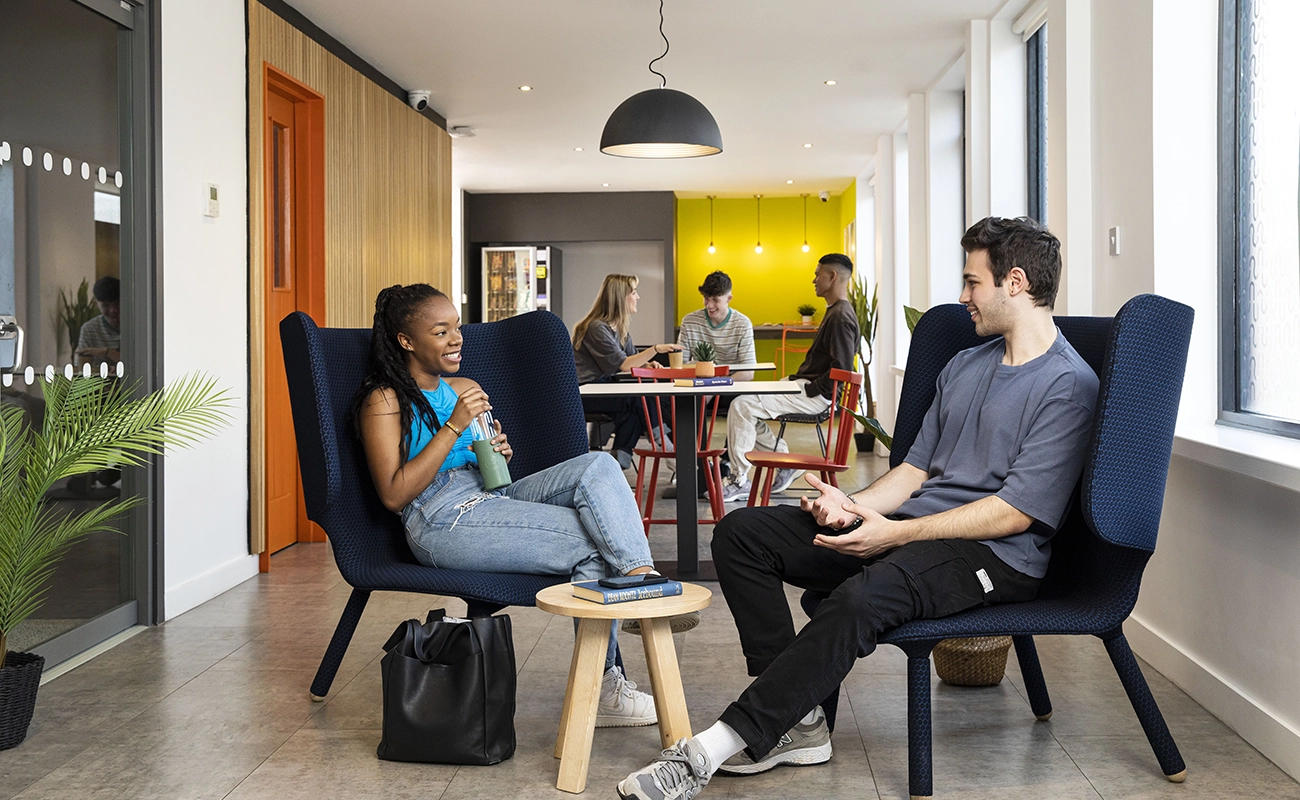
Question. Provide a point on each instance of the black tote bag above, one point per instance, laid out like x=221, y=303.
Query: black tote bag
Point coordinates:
x=449, y=691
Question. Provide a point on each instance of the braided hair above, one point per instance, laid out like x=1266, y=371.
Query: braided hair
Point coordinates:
x=395, y=307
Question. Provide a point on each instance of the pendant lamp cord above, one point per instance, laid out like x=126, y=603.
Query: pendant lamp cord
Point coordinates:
x=663, y=81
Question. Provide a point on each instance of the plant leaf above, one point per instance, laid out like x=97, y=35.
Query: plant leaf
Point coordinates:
x=913, y=316
x=873, y=427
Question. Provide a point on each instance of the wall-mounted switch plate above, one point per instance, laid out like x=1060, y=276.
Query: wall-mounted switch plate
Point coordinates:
x=212, y=204
x=1114, y=241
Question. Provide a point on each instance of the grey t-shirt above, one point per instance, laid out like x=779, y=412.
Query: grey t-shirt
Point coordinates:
x=1019, y=433
x=601, y=353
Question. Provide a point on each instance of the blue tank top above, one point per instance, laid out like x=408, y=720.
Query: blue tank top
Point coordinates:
x=443, y=399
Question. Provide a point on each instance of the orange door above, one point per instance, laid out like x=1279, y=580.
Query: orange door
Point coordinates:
x=294, y=188
x=281, y=300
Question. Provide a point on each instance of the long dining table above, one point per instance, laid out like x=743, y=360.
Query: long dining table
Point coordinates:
x=688, y=565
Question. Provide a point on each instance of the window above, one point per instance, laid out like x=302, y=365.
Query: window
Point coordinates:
x=1259, y=209
x=1036, y=119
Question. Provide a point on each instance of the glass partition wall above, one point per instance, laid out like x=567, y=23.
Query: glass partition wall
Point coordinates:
x=77, y=274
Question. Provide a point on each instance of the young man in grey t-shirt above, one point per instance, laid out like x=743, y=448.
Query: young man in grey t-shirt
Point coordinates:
x=965, y=521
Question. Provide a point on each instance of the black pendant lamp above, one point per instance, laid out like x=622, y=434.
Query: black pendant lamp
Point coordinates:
x=661, y=123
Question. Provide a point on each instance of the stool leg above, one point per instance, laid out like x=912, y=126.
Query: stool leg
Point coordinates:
x=580, y=703
x=665, y=680
x=568, y=693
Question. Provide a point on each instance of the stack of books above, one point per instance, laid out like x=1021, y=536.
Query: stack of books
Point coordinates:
x=593, y=591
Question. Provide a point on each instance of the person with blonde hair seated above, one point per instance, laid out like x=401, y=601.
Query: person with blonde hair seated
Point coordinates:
x=602, y=348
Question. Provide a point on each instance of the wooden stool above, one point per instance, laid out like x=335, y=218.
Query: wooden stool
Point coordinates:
x=578, y=720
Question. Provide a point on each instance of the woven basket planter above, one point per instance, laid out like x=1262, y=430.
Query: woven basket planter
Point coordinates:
x=19, y=680
x=980, y=661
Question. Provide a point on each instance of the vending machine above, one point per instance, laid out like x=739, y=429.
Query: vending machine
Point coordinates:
x=517, y=280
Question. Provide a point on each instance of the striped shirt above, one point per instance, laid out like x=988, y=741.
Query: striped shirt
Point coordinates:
x=97, y=334
x=733, y=339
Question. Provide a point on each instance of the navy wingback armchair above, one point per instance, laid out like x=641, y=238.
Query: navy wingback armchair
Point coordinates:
x=1103, y=545
x=525, y=364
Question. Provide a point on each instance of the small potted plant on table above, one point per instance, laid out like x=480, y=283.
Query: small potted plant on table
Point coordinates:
x=806, y=312
x=90, y=424
x=704, y=355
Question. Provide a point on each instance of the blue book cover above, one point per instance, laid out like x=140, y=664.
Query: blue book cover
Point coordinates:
x=723, y=380
x=593, y=591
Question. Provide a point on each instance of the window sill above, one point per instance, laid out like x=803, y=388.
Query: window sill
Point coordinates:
x=1263, y=456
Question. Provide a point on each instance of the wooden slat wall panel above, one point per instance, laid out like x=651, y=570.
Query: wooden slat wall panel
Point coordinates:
x=387, y=202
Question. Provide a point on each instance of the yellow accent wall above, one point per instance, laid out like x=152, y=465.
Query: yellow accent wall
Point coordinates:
x=849, y=208
x=766, y=287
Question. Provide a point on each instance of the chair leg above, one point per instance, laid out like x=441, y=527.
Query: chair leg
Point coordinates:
x=1148, y=713
x=754, y=486
x=829, y=477
x=821, y=439
x=1032, y=672
x=713, y=477
x=650, y=496
x=767, y=487
x=640, y=484
x=920, y=782
x=338, y=646
x=779, y=436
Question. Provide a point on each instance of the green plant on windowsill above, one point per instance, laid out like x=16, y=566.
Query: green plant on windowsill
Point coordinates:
x=868, y=314
x=90, y=424
x=71, y=314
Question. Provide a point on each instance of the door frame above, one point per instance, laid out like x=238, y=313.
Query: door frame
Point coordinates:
x=309, y=144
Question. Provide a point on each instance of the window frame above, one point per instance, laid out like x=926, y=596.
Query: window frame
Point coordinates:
x=1231, y=206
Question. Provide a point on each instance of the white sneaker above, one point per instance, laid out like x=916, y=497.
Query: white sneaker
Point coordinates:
x=802, y=746
x=621, y=705
x=783, y=478
x=735, y=492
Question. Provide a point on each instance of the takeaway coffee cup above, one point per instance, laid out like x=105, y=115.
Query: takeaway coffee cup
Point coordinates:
x=675, y=359
x=491, y=464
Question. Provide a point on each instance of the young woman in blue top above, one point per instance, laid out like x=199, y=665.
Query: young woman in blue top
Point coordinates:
x=577, y=519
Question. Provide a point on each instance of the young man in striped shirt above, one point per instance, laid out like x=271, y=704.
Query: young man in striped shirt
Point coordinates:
x=729, y=331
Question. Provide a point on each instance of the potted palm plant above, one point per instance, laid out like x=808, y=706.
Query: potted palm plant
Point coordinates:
x=867, y=310
x=73, y=312
x=90, y=424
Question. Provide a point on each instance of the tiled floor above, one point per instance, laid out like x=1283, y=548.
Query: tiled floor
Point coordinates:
x=214, y=704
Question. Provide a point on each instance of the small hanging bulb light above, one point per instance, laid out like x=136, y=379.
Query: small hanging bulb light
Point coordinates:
x=712, y=249
x=758, y=223
x=806, y=248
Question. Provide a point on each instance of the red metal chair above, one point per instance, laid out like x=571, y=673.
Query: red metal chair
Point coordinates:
x=848, y=386
x=662, y=448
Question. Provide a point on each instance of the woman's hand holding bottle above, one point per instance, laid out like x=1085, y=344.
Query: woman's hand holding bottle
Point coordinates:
x=469, y=405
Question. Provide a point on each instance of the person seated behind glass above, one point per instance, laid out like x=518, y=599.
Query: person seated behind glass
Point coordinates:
x=100, y=341
x=602, y=348
x=577, y=519
x=729, y=331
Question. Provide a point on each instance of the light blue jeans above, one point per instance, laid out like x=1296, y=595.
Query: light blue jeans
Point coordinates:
x=578, y=519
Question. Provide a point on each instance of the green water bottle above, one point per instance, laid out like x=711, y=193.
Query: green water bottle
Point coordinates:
x=491, y=464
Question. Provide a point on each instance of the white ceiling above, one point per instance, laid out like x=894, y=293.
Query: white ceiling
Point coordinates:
x=758, y=65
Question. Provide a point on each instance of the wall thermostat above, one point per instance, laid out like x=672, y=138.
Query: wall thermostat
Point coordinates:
x=212, y=205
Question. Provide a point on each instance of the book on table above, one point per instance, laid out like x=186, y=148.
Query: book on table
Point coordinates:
x=719, y=381
x=593, y=591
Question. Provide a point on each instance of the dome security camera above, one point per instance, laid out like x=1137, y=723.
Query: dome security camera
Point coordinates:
x=824, y=196
x=419, y=98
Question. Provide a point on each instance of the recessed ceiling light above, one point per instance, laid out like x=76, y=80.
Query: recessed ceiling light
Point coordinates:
x=604, y=184
x=807, y=144
x=789, y=182
x=577, y=149
x=830, y=83
x=525, y=88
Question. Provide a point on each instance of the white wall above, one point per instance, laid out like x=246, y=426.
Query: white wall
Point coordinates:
x=205, y=291
x=1216, y=613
